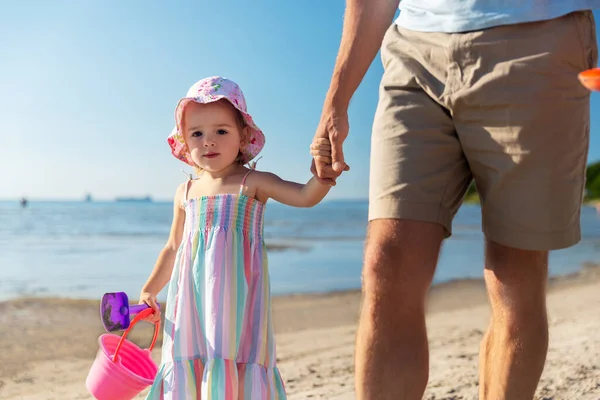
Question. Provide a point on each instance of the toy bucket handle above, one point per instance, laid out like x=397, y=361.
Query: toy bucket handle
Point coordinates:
x=141, y=315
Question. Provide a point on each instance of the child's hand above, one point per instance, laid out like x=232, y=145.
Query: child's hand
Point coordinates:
x=320, y=149
x=150, y=299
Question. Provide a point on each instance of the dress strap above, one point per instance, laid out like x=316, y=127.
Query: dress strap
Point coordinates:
x=244, y=181
x=187, y=187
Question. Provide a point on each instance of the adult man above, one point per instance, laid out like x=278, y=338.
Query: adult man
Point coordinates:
x=471, y=89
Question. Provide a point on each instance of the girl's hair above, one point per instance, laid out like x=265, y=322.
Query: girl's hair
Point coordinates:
x=241, y=125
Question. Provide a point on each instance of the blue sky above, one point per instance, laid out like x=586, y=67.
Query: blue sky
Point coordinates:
x=88, y=89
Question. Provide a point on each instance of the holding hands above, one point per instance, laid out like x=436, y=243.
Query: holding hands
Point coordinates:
x=328, y=155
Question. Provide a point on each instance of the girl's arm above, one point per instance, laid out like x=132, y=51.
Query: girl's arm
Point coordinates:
x=270, y=186
x=166, y=259
x=295, y=194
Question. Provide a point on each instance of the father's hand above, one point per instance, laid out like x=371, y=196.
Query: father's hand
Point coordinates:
x=334, y=128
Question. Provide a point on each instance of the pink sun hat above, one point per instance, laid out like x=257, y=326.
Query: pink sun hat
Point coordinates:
x=208, y=90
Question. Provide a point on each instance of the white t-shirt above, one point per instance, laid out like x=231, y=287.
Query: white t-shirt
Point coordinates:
x=469, y=15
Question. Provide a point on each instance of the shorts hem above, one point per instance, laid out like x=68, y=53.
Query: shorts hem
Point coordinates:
x=387, y=208
x=534, y=241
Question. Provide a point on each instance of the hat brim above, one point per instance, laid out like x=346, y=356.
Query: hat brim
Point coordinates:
x=253, y=146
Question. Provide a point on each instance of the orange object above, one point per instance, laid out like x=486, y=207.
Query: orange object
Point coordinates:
x=590, y=79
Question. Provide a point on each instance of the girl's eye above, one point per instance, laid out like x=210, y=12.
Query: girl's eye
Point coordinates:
x=196, y=134
x=221, y=132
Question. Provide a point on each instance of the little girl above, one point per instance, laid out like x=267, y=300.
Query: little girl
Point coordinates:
x=218, y=339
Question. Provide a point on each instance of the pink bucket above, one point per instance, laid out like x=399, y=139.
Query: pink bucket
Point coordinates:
x=121, y=369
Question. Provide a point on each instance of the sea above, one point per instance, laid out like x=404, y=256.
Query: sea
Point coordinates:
x=73, y=249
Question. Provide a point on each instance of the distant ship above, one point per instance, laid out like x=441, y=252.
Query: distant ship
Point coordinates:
x=146, y=199
x=88, y=198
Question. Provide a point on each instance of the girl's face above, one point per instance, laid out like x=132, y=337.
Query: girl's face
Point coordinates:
x=213, y=134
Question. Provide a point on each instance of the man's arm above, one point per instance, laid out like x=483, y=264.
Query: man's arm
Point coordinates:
x=365, y=24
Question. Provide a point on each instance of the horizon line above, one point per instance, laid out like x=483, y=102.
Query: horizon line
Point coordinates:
x=136, y=199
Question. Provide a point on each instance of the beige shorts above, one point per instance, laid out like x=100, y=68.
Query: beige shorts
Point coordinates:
x=502, y=106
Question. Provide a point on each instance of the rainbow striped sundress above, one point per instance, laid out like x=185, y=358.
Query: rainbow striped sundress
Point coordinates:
x=218, y=338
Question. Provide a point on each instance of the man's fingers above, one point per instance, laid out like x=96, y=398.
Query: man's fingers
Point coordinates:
x=321, y=141
x=322, y=150
x=321, y=153
x=320, y=147
x=337, y=156
x=322, y=159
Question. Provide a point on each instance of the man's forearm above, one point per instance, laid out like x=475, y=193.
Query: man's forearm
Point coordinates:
x=365, y=24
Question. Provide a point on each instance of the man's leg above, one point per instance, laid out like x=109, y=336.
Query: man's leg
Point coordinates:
x=392, y=357
x=513, y=351
x=527, y=149
x=418, y=177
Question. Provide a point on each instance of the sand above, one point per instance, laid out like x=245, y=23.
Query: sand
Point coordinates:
x=47, y=345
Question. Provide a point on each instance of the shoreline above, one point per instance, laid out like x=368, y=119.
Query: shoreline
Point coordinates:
x=48, y=344
x=554, y=281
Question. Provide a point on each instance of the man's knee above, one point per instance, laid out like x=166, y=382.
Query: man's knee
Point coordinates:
x=516, y=281
x=400, y=257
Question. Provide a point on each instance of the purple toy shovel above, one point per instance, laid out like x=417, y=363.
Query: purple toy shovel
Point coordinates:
x=116, y=312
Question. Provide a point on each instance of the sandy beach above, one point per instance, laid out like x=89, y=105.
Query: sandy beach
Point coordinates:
x=48, y=345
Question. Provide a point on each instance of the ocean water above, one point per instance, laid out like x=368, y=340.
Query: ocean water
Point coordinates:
x=82, y=250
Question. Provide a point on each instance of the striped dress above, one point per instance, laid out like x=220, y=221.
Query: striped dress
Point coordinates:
x=218, y=339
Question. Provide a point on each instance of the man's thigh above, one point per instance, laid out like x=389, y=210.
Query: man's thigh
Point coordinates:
x=418, y=171
x=523, y=121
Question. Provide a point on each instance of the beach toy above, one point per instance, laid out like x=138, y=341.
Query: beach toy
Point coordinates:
x=590, y=79
x=116, y=312
x=121, y=369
